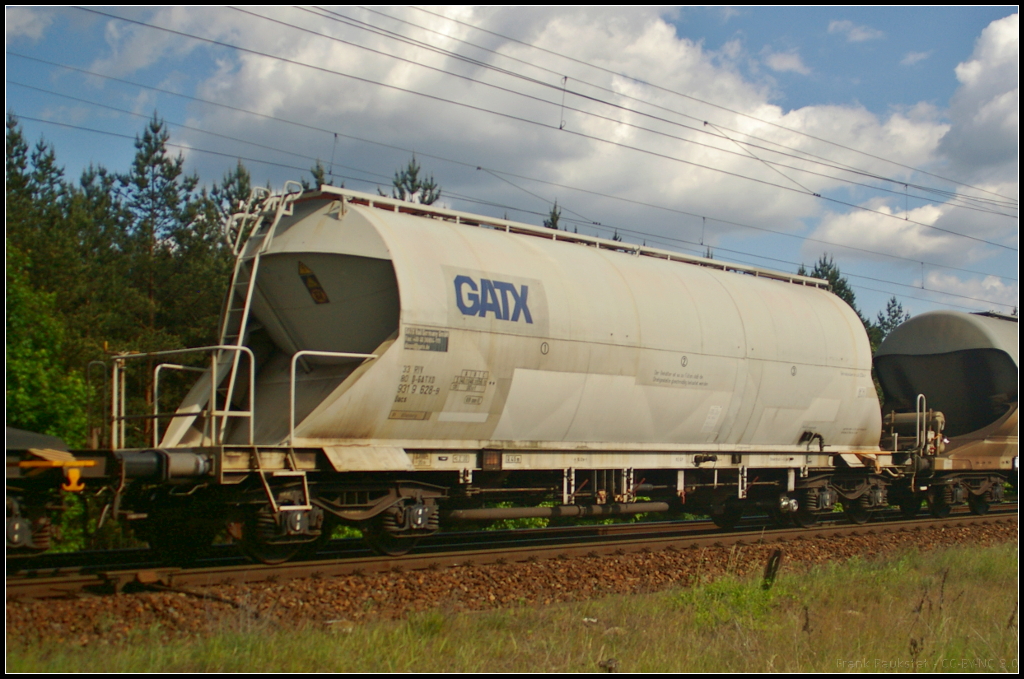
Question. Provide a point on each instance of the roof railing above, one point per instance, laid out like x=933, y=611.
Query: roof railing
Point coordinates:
x=469, y=219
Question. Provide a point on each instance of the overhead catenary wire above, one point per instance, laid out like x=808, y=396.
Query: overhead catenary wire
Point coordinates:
x=953, y=199
x=705, y=102
x=497, y=172
x=979, y=202
x=666, y=239
x=653, y=237
x=539, y=124
x=183, y=126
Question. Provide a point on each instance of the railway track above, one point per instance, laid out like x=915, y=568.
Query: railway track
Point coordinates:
x=134, y=570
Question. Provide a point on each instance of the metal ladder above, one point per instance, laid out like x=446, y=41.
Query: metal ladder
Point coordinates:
x=248, y=244
x=292, y=471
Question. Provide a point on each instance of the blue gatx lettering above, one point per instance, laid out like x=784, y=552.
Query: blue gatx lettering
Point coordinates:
x=502, y=299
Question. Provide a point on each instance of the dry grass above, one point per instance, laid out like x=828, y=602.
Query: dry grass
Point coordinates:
x=943, y=610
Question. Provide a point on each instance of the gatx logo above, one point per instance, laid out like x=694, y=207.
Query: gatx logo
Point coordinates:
x=506, y=301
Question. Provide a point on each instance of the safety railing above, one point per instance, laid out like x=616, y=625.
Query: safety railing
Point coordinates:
x=119, y=396
x=156, y=393
x=291, y=382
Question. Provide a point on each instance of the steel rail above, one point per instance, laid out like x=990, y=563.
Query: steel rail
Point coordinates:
x=148, y=576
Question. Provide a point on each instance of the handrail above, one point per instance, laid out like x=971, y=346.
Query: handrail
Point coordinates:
x=291, y=381
x=156, y=394
x=469, y=219
x=119, y=387
x=920, y=423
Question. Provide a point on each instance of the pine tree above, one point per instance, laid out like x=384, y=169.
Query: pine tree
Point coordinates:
x=18, y=201
x=552, y=221
x=162, y=205
x=177, y=262
x=36, y=199
x=891, y=318
x=231, y=195
x=407, y=185
x=319, y=173
x=827, y=269
x=99, y=218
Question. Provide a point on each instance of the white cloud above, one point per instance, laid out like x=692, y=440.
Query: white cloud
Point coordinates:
x=912, y=58
x=639, y=43
x=25, y=22
x=985, y=109
x=72, y=115
x=732, y=49
x=853, y=32
x=786, y=62
x=728, y=13
x=888, y=230
x=990, y=290
x=134, y=47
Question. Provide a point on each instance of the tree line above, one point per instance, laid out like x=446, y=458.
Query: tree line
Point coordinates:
x=130, y=261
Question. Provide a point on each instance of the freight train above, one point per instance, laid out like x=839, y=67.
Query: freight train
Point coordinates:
x=398, y=367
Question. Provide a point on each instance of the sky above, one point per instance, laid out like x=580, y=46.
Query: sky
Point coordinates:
x=885, y=137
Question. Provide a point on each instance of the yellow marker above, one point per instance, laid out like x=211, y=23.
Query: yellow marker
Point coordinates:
x=316, y=291
x=74, y=484
x=72, y=467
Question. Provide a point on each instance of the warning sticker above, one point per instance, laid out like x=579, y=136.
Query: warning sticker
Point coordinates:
x=316, y=291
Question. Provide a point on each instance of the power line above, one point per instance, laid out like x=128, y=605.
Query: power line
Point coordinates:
x=499, y=172
x=653, y=237
x=540, y=124
x=705, y=102
x=181, y=125
x=796, y=153
x=952, y=199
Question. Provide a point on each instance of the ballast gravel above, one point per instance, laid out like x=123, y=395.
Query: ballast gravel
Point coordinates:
x=339, y=603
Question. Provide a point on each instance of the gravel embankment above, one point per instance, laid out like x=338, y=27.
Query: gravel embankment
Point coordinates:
x=339, y=603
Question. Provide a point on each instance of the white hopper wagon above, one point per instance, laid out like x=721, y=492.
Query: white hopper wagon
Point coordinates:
x=392, y=364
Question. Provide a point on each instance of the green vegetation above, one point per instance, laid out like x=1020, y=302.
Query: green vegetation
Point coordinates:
x=949, y=610
x=129, y=261
x=409, y=185
x=42, y=396
x=556, y=214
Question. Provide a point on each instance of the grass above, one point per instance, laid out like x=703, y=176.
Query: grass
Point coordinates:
x=944, y=610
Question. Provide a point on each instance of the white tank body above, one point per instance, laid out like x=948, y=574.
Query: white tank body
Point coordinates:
x=490, y=339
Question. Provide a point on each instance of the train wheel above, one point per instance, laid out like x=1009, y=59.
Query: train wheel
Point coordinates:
x=979, y=504
x=910, y=507
x=383, y=541
x=805, y=518
x=855, y=512
x=939, y=509
x=256, y=528
x=269, y=554
x=730, y=516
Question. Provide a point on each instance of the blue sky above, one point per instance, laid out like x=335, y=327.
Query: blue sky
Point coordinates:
x=739, y=129
x=878, y=57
